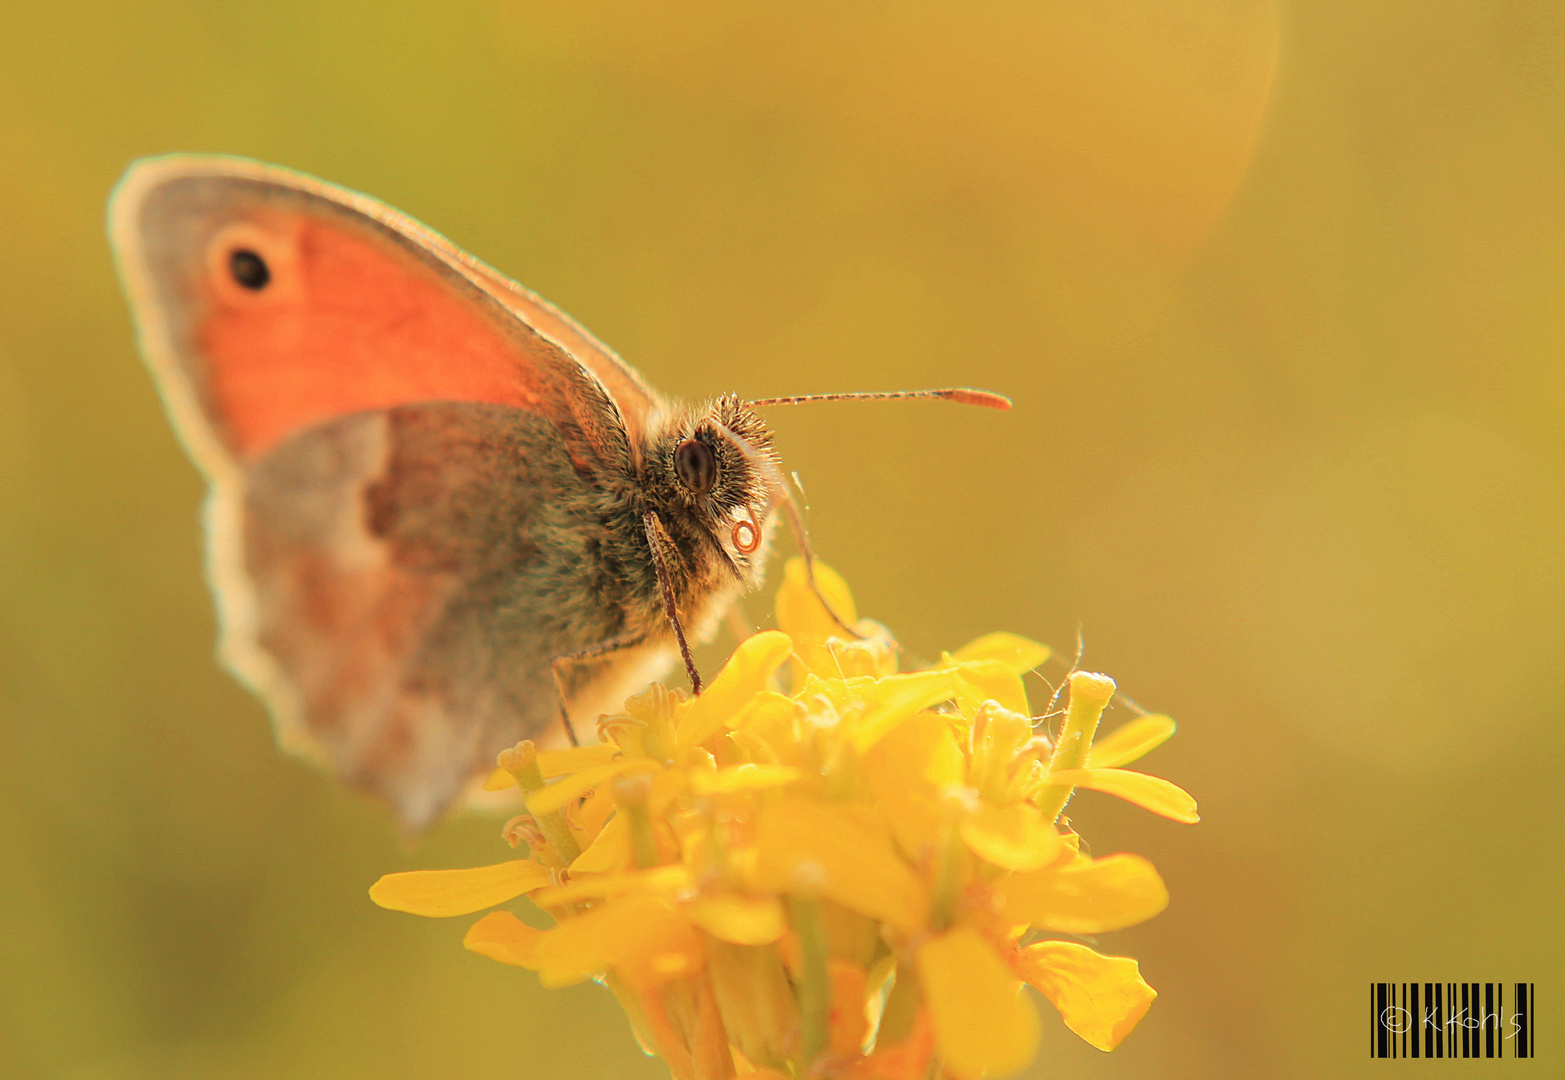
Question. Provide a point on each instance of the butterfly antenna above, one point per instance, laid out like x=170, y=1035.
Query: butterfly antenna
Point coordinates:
x=962, y=395
x=780, y=493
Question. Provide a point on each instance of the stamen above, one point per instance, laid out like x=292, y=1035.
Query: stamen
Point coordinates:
x=523, y=829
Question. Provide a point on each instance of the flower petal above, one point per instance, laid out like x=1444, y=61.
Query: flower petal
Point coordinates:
x=746, y=674
x=609, y=850
x=501, y=936
x=921, y=748
x=742, y=778
x=908, y=771
x=1148, y=792
x=641, y=937
x=1101, y=998
x=595, y=811
x=874, y=655
x=1090, y=896
x=983, y=1023
x=800, y=613
x=553, y=763
x=805, y=847
x=1125, y=744
x=1017, y=654
x=989, y=680
x=762, y=712
x=1011, y=837
x=893, y=699
x=756, y=1000
x=442, y=893
x=802, y=617
x=742, y=920
x=847, y=1022
x=556, y=796
x=660, y=880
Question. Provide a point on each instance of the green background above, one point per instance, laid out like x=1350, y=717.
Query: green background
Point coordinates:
x=1278, y=292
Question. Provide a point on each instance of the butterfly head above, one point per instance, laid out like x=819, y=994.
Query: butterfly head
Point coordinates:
x=715, y=480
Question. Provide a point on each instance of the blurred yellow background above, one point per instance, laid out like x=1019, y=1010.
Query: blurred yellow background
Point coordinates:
x=1279, y=291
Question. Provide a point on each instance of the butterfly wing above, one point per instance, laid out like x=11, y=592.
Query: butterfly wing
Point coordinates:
x=399, y=442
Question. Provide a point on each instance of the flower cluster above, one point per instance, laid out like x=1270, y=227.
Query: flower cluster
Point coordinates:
x=854, y=879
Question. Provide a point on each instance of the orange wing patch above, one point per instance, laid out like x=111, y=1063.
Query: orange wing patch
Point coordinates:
x=342, y=326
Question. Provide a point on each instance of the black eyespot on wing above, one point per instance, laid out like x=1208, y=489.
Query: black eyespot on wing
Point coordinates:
x=249, y=269
x=696, y=465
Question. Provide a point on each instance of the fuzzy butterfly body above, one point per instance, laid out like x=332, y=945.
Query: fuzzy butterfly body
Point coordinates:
x=427, y=485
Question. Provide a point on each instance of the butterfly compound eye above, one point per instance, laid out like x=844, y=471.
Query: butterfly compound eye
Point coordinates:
x=696, y=465
x=249, y=269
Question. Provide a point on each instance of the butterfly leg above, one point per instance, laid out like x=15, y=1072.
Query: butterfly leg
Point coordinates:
x=582, y=656
x=662, y=546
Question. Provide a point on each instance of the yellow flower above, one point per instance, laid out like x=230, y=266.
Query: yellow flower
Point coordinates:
x=853, y=877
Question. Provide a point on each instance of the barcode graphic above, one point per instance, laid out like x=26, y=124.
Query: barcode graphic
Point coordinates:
x=1451, y=1020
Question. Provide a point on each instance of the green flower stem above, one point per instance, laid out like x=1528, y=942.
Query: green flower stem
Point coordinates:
x=630, y=795
x=814, y=987
x=1089, y=696
x=522, y=762
x=947, y=879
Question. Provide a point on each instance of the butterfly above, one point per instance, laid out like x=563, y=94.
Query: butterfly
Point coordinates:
x=442, y=516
